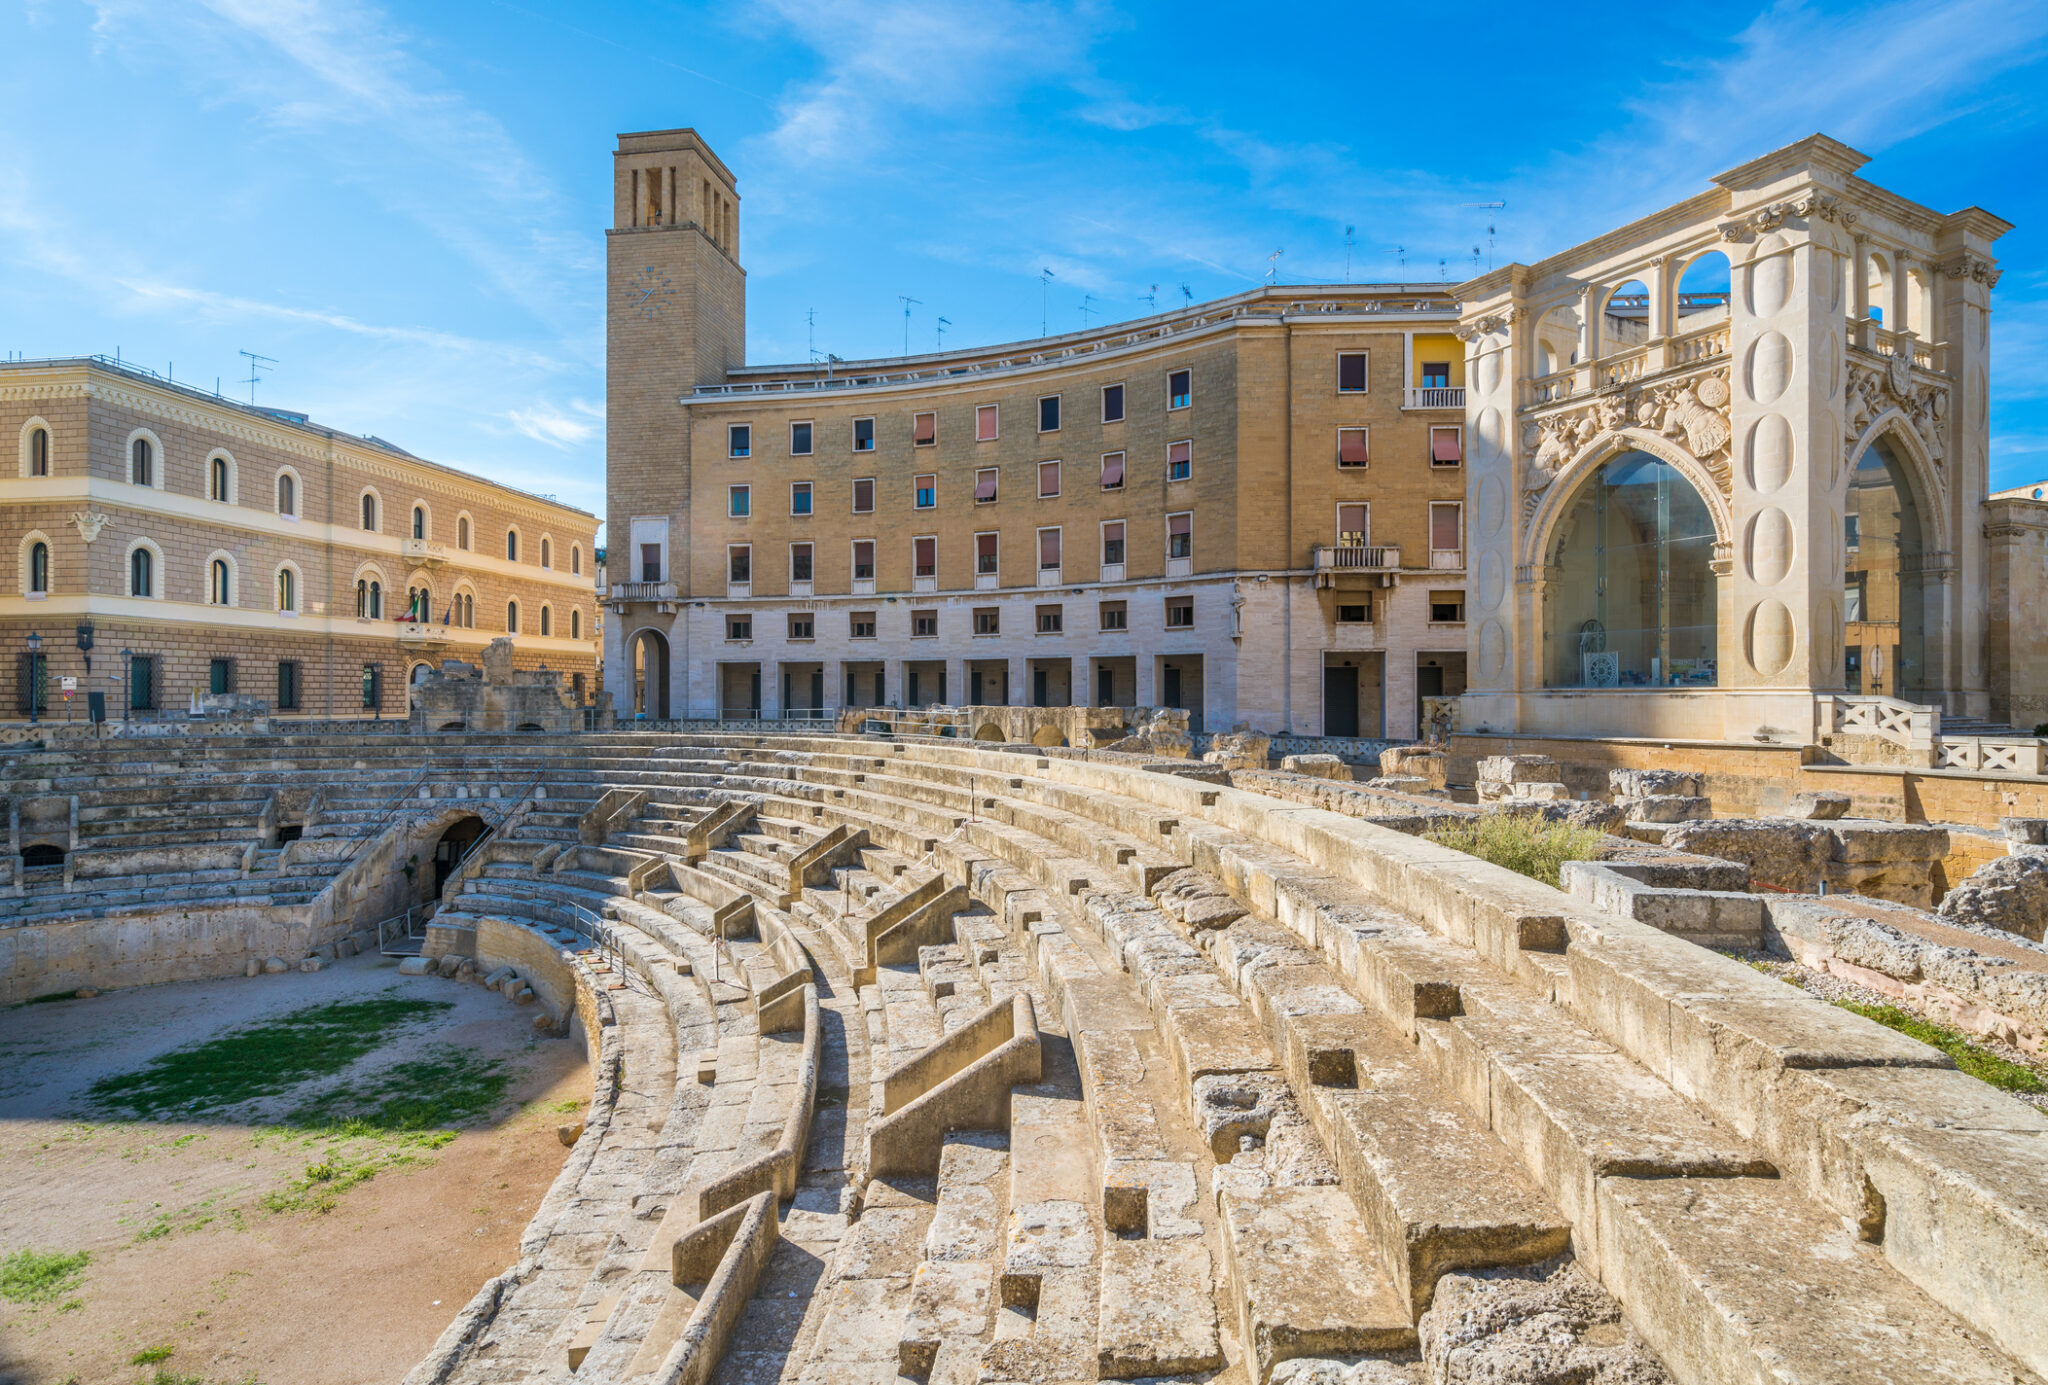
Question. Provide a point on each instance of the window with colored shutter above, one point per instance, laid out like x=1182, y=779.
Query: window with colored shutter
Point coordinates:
x=1354, y=447
x=1351, y=526
x=1049, y=549
x=1180, y=461
x=926, y=554
x=1445, y=447
x=1113, y=471
x=985, y=421
x=925, y=429
x=985, y=486
x=985, y=554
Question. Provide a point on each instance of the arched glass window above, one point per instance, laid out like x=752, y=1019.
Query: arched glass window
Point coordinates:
x=287, y=590
x=462, y=533
x=217, y=582
x=142, y=573
x=575, y=624
x=547, y=558
x=1634, y=582
x=370, y=513
x=217, y=479
x=39, y=453
x=576, y=559
x=287, y=497
x=547, y=621
x=469, y=612
x=376, y=600
x=511, y=545
x=1887, y=650
x=143, y=458
x=39, y=568
x=511, y=617
x=419, y=521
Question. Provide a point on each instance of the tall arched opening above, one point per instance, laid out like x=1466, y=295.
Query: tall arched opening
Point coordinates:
x=458, y=839
x=650, y=675
x=1631, y=596
x=1888, y=648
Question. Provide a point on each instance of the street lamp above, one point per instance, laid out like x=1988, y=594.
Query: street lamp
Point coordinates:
x=35, y=673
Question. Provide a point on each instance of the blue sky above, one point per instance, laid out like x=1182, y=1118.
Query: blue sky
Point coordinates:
x=404, y=204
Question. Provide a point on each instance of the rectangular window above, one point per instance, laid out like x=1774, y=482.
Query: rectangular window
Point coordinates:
x=799, y=439
x=650, y=562
x=864, y=496
x=801, y=626
x=988, y=620
x=1180, y=460
x=800, y=497
x=925, y=557
x=1354, y=447
x=1112, y=471
x=1180, y=612
x=1351, y=372
x=220, y=676
x=1351, y=525
x=739, y=627
x=1180, y=535
x=373, y=686
x=924, y=429
x=1112, y=403
x=1447, y=606
x=1436, y=375
x=1049, y=414
x=739, y=501
x=739, y=563
x=927, y=492
x=1852, y=596
x=985, y=421
x=1113, y=541
x=799, y=562
x=1050, y=620
x=1852, y=530
x=1445, y=526
x=863, y=435
x=985, y=486
x=1356, y=615
x=1446, y=446
x=1048, y=480
x=1048, y=550
x=288, y=685
x=1115, y=616
x=863, y=560
x=1180, y=389
x=861, y=624
x=986, y=555
x=924, y=625
x=739, y=440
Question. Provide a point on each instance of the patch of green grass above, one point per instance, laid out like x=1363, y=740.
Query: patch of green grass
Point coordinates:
x=41, y=1276
x=1523, y=843
x=164, y=1377
x=262, y=1060
x=1980, y=1063
x=149, y=1356
x=427, y=1094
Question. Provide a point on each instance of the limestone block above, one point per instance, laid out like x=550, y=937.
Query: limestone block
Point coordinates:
x=448, y=964
x=1666, y=808
x=275, y=965
x=2025, y=831
x=414, y=966
x=2009, y=893
x=1400, y=783
x=1785, y=852
x=1653, y=783
x=1864, y=839
x=1520, y=769
x=1550, y=1322
x=569, y=1133
x=1539, y=791
x=1239, y=748
x=313, y=964
x=498, y=978
x=1821, y=805
x=1156, y=1315
x=1418, y=760
x=1600, y=817
x=1320, y=766
x=254, y=968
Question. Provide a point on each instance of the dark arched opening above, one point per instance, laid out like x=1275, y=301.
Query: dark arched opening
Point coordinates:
x=457, y=841
x=40, y=855
x=650, y=675
x=1886, y=649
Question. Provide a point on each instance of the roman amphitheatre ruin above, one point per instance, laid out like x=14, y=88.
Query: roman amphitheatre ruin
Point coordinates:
x=1665, y=1013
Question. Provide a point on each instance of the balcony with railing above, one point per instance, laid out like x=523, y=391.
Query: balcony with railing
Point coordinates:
x=425, y=552
x=1335, y=560
x=642, y=591
x=1434, y=397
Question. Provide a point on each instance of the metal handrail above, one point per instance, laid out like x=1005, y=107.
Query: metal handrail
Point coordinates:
x=426, y=911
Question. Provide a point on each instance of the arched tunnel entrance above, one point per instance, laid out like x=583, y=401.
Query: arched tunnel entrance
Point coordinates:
x=458, y=839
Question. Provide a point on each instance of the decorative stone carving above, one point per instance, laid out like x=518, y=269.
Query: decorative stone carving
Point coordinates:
x=1812, y=206
x=1693, y=409
x=1971, y=267
x=1875, y=389
x=89, y=523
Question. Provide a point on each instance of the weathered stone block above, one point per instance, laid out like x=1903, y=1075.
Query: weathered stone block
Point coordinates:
x=1420, y=761
x=1666, y=808
x=413, y=966
x=1820, y=805
x=1520, y=769
x=1321, y=766
x=1653, y=783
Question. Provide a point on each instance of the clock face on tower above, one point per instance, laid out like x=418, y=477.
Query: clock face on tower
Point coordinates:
x=650, y=291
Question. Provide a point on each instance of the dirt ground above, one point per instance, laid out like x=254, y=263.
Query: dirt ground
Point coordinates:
x=184, y=1253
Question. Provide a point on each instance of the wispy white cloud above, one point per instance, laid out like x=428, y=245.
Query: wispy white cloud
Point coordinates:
x=548, y=424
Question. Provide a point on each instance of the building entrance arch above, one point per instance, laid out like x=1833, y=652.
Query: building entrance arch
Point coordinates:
x=457, y=840
x=649, y=663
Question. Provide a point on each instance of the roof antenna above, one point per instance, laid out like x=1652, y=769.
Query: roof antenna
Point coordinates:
x=1490, y=206
x=1087, y=299
x=944, y=323
x=907, y=301
x=1273, y=266
x=1443, y=270
x=1401, y=253
x=1347, y=252
x=1152, y=298
x=1187, y=295
x=1045, y=277
x=256, y=363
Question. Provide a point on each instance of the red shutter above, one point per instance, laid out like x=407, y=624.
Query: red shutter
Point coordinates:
x=985, y=485
x=927, y=557
x=1443, y=526
x=1443, y=445
x=927, y=428
x=1112, y=471
x=1352, y=449
x=1048, y=548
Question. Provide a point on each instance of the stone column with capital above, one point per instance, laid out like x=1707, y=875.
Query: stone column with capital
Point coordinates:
x=1498, y=337
x=1964, y=277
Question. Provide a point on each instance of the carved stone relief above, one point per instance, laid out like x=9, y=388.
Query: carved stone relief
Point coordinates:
x=89, y=523
x=1876, y=389
x=1693, y=410
x=1817, y=206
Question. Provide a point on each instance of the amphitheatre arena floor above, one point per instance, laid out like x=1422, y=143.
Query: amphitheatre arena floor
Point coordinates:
x=185, y=1251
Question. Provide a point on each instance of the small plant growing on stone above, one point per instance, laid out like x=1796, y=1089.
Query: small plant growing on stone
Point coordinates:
x=1523, y=843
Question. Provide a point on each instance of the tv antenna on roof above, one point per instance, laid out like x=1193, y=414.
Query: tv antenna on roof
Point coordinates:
x=256, y=363
x=944, y=323
x=1401, y=254
x=1152, y=298
x=1187, y=294
x=1347, y=252
x=1273, y=266
x=907, y=301
x=1087, y=300
x=1489, y=206
x=1045, y=277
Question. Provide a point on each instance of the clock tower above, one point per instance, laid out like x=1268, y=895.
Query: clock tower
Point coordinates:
x=675, y=318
